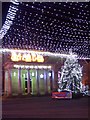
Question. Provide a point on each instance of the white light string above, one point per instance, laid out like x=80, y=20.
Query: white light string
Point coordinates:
x=32, y=67
x=9, y=18
x=44, y=53
x=32, y=31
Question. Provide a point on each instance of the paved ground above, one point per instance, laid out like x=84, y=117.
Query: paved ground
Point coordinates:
x=44, y=107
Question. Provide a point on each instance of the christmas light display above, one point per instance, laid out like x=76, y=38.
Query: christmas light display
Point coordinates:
x=50, y=26
x=15, y=52
x=32, y=67
x=71, y=76
x=9, y=18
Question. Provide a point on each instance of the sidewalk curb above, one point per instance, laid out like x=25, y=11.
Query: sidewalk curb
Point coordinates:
x=22, y=96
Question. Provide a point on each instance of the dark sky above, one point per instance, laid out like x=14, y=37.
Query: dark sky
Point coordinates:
x=5, y=7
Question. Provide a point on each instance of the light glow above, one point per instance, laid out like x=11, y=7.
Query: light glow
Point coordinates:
x=49, y=74
x=41, y=76
x=32, y=67
x=14, y=73
x=32, y=74
x=36, y=52
x=43, y=53
x=27, y=57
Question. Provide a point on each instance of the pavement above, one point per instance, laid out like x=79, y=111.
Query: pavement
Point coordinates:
x=44, y=107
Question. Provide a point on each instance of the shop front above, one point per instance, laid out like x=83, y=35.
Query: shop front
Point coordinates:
x=24, y=77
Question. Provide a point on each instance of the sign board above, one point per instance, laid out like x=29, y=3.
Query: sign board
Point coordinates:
x=27, y=57
x=62, y=94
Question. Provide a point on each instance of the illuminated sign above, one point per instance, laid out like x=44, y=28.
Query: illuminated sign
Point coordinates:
x=61, y=95
x=27, y=57
x=33, y=66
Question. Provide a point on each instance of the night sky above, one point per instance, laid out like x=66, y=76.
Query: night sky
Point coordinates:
x=5, y=7
x=48, y=26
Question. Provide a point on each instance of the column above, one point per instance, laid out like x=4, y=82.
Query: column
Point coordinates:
x=28, y=81
x=45, y=81
x=53, y=83
x=55, y=77
x=37, y=79
x=10, y=82
x=19, y=81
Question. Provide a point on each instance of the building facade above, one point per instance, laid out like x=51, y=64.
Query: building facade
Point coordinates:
x=29, y=74
x=33, y=74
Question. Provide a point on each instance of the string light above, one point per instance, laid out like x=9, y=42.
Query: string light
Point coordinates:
x=9, y=18
x=32, y=67
x=50, y=27
x=37, y=52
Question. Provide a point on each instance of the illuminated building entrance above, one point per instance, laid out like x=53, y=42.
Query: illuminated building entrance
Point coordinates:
x=29, y=73
x=23, y=79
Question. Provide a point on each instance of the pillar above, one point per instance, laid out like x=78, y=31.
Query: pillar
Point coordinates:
x=56, y=77
x=37, y=79
x=19, y=81
x=10, y=82
x=53, y=80
x=45, y=81
x=28, y=81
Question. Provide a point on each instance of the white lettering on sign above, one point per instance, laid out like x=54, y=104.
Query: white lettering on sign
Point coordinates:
x=26, y=57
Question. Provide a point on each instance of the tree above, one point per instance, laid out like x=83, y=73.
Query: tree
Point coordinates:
x=71, y=76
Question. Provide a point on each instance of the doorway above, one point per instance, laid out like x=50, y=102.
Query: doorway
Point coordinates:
x=33, y=81
x=24, y=84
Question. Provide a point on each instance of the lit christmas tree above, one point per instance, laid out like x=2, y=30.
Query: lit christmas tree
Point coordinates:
x=71, y=76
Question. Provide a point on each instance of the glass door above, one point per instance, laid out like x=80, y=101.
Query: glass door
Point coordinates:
x=14, y=77
x=33, y=82
x=49, y=81
x=41, y=82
